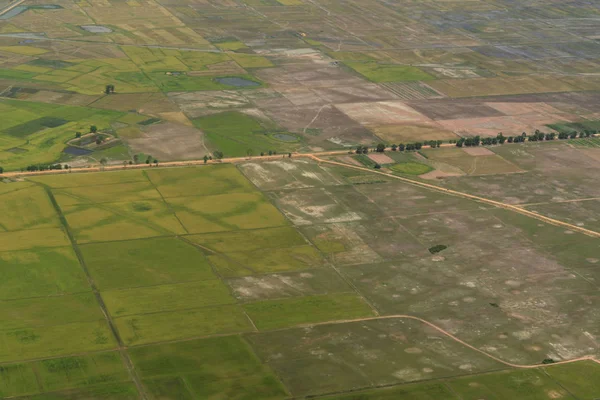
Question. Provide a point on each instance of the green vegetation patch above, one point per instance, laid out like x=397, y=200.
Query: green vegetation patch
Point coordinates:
x=377, y=72
x=142, y=263
x=150, y=328
x=167, y=297
x=272, y=260
x=235, y=134
x=411, y=168
x=581, y=379
x=113, y=391
x=62, y=373
x=521, y=384
x=275, y=314
x=34, y=126
x=580, y=126
x=41, y=272
x=214, y=368
x=437, y=248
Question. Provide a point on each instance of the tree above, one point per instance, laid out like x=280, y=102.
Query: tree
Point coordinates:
x=249, y=152
x=1, y=170
x=155, y=162
x=289, y=155
x=501, y=138
x=148, y=159
x=380, y=148
x=205, y=159
x=218, y=154
x=377, y=166
x=270, y=152
x=365, y=150
x=418, y=145
x=109, y=89
x=103, y=161
x=93, y=129
x=401, y=147
x=77, y=135
x=394, y=147
x=136, y=158
x=98, y=140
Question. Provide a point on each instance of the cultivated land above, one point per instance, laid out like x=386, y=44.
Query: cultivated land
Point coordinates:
x=290, y=278
x=446, y=273
x=246, y=76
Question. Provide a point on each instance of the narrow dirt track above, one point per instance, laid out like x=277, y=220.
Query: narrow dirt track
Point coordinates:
x=451, y=336
x=495, y=203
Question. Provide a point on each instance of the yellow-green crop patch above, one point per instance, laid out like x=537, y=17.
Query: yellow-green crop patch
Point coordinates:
x=136, y=263
x=199, y=181
x=33, y=239
x=236, y=241
x=150, y=328
x=167, y=297
x=94, y=223
x=41, y=272
x=120, y=192
x=276, y=260
x=223, y=367
x=226, y=212
x=36, y=327
x=90, y=179
x=61, y=373
x=27, y=208
x=276, y=314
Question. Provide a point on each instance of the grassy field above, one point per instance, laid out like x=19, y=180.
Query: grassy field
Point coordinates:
x=235, y=134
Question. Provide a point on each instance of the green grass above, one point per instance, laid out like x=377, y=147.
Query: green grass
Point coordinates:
x=41, y=272
x=521, y=384
x=235, y=133
x=41, y=130
x=575, y=126
x=411, y=168
x=188, y=83
x=587, y=142
x=582, y=379
x=142, y=263
x=166, y=297
x=275, y=314
x=34, y=126
x=62, y=373
x=377, y=72
x=151, y=328
x=133, y=191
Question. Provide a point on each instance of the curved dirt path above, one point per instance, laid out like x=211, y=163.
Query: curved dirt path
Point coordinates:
x=451, y=336
x=495, y=203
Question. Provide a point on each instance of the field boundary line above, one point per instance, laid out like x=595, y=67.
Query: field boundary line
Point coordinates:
x=498, y=204
x=111, y=325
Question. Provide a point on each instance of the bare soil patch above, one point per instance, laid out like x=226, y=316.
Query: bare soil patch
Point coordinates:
x=381, y=158
x=170, y=141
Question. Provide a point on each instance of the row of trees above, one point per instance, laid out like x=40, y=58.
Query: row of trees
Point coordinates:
x=45, y=167
x=537, y=136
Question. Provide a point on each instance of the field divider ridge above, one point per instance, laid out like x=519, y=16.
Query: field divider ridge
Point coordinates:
x=124, y=355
